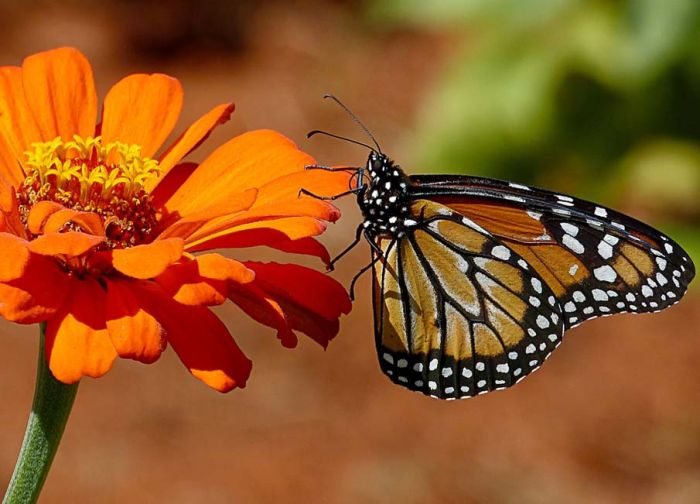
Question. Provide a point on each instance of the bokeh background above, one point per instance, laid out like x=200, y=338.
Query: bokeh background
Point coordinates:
x=600, y=99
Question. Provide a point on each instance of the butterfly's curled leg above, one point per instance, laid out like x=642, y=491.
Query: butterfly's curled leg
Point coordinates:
x=358, y=237
x=359, y=274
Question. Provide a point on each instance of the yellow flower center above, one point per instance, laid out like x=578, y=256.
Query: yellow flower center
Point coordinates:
x=86, y=175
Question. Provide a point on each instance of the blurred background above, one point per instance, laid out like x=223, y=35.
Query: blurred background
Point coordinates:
x=600, y=99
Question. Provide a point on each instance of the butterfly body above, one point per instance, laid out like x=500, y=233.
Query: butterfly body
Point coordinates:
x=476, y=280
x=384, y=200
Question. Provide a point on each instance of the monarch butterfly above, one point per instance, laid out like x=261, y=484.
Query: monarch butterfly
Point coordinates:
x=476, y=280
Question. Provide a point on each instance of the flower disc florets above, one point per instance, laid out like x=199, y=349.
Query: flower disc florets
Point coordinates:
x=86, y=175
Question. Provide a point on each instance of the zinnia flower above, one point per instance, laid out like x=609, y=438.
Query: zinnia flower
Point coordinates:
x=98, y=231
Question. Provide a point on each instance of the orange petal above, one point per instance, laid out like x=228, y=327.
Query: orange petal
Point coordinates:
x=60, y=91
x=10, y=168
x=264, y=237
x=322, y=183
x=77, y=341
x=134, y=332
x=69, y=244
x=247, y=161
x=311, y=301
x=37, y=294
x=203, y=344
x=214, y=233
x=191, y=218
x=146, y=261
x=10, y=218
x=15, y=257
x=39, y=213
x=89, y=222
x=203, y=281
x=142, y=109
x=195, y=135
x=17, y=123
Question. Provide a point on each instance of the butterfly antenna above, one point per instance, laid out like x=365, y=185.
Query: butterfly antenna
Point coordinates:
x=355, y=118
x=320, y=132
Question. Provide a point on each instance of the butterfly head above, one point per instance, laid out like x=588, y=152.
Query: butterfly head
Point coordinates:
x=384, y=202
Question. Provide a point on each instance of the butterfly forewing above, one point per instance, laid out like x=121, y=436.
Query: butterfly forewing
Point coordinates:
x=458, y=313
x=597, y=261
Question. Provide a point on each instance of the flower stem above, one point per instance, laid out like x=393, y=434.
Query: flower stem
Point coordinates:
x=52, y=404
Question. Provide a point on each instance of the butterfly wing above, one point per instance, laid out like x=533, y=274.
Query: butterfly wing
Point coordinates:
x=479, y=292
x=596, y=260
x=456, y=312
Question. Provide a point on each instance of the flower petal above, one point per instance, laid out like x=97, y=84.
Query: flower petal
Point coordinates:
x=39, y=213
x=51, y=217
x=17, y=124
x=135, y=333
x=244, y=162
x=168, y=184
x=146, y=261
x=264, y=237
x=312, y=302
x=189, y=219
x=260, y=306
x=195, y=135
x=203, y=343
x=89, y=222
x=69, y=244
x=37, y=294
x=15, y=257
x=10, y=218
x=77, y=341
x=60, y=91
x=142, y=109
x=203, y=281
x=222, y=232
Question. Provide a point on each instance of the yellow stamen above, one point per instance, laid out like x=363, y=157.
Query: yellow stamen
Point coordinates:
x=87, y=175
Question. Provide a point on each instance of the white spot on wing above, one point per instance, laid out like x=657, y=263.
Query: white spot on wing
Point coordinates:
x=605, y=273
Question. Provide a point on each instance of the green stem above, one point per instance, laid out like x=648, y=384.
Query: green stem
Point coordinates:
x=52, y=404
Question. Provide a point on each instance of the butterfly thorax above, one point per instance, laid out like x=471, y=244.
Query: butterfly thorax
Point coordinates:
x=384, y=202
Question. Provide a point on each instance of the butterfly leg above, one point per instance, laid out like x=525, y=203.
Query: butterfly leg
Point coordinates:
x=331, y=168
x=359, y=274
x=358, y=237
x=329, y=198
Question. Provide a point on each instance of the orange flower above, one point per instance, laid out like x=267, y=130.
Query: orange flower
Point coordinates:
x=98, y=232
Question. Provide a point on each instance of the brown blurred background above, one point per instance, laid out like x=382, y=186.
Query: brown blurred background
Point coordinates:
x=600, y=99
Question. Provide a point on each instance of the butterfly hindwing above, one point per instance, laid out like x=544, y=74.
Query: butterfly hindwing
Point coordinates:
x=458, y=313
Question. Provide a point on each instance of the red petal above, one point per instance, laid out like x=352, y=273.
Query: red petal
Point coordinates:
x=311, y=301
x=37, y=294
x=203, y=343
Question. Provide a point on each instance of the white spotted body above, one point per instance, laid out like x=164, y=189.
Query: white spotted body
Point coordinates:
x=384, y=201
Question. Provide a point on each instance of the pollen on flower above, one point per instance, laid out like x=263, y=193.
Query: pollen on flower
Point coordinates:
x=87, y=175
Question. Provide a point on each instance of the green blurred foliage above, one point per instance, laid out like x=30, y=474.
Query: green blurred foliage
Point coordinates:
x=598, y=98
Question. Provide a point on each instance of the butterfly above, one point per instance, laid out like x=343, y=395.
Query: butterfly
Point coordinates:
x=476, y=280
